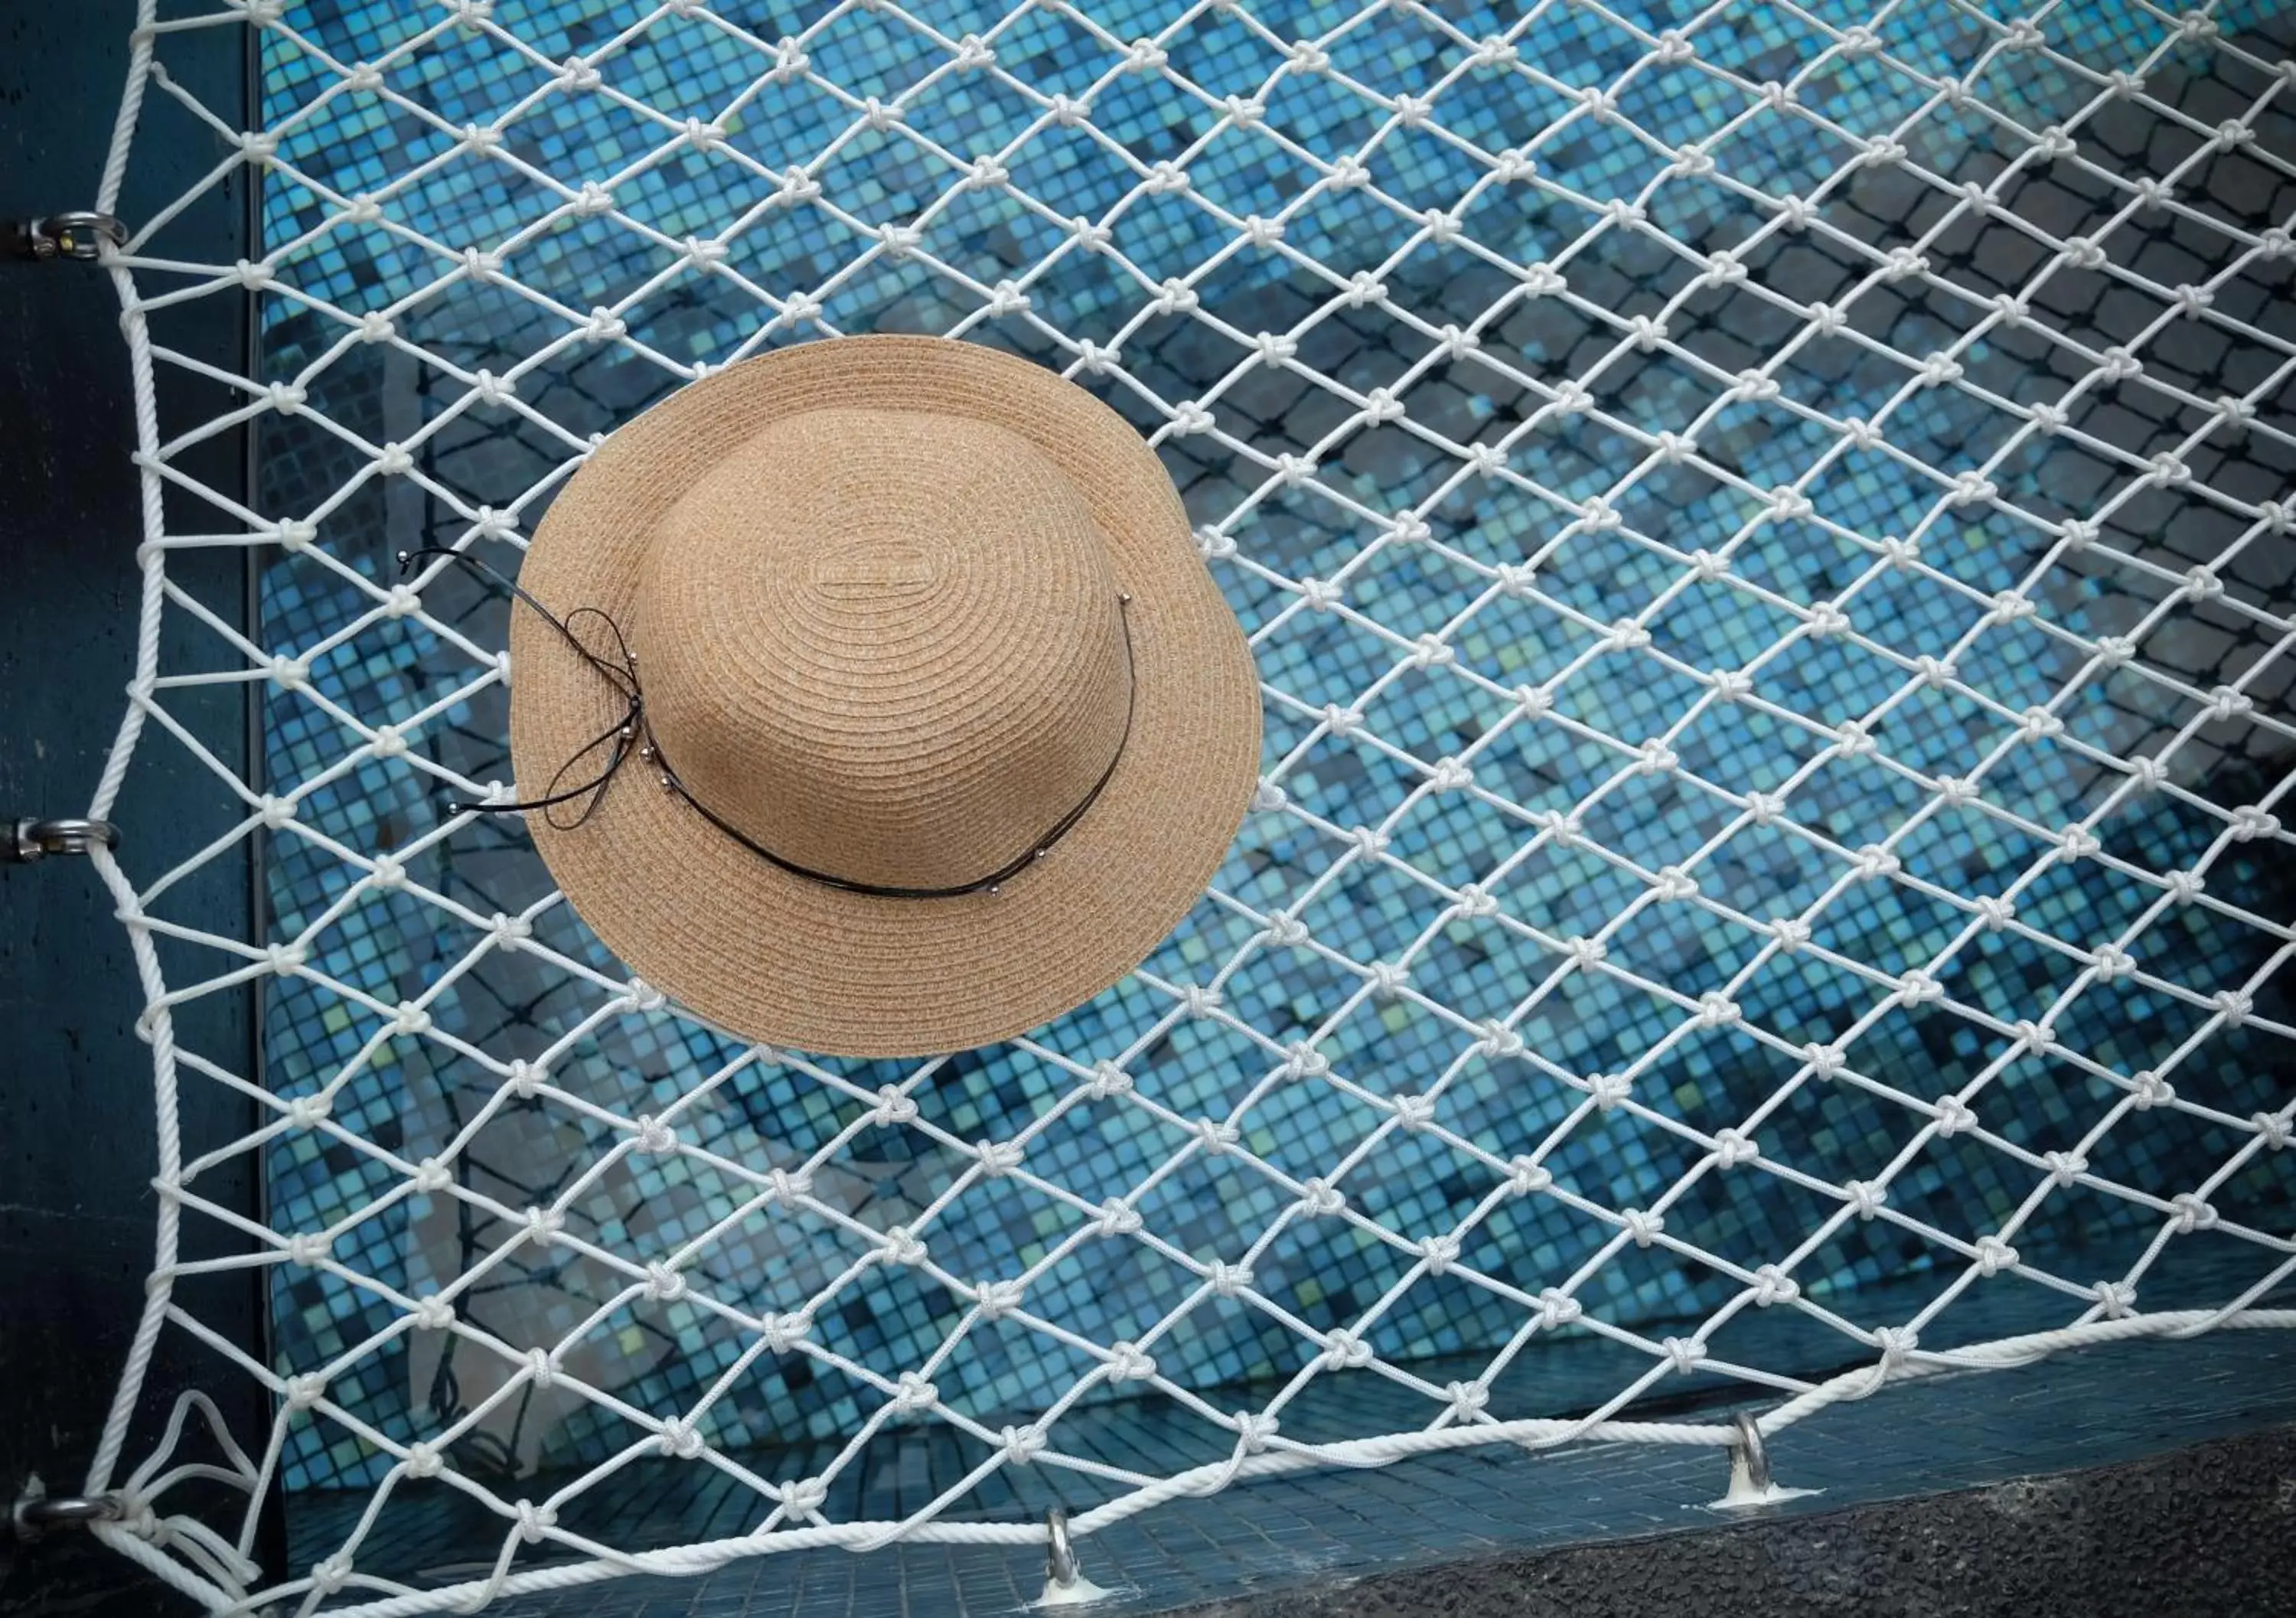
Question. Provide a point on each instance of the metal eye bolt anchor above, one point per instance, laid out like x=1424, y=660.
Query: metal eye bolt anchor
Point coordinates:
x=1749, y=1454
x=37, y=1515
x=1060, y=1569
x=30, y=839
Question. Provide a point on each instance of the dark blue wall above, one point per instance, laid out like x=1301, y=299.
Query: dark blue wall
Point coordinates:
x=76, y=1147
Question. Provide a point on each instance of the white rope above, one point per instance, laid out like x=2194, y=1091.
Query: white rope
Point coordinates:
x=788, y=190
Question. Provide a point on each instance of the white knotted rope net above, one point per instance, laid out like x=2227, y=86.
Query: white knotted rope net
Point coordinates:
x=1775, y=653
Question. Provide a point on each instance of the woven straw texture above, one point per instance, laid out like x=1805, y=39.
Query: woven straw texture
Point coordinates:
x=872, y=584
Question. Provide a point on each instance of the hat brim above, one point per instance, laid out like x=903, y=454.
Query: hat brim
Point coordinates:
x=779, y=958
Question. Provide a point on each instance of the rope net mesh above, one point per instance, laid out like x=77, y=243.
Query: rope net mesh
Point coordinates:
x=1761, y=531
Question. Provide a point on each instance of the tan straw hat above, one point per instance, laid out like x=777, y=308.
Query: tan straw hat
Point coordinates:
x=942, y=726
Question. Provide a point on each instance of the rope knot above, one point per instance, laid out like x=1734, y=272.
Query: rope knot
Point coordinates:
x=1023, y=1445
x=1227, y=1279
x=423, y=1459
x=1526, y=1175
x=804, y=1497
x=1128, y=1362
x=1918, y=987
x=999, y=1158
x=1873, y=862
x=1107, y=1079
x=1954, y=1117
x=1215, y=1135
x=1774, y=1285
x=433, y=1313
x=1319, y=1198
x=902, y=1247
x=913, y=1392
x=310, y=1250
x=303, y=1391
x=1305, y=1061
x=1674, y=883
x=2191, y=1213
x=1176, y=297
x=1253, y=1430
x=1896, y=1342
x=655, y=1137
x=2065, y=1167
x=997, y=1299
x=1497, y=1039
x=664, y=1284
x=680, y=1438
x=1558, y=1308
x=1466, y=1399
x=1432, y=651
x=535, y=1521
x=2150, y=1090
x=542, y=1368
x=137, y=1516
x=1994, y=1255
x=1344, y=1351
x=1117, y=1218
x=1684, y=1353
x=1438, y=1253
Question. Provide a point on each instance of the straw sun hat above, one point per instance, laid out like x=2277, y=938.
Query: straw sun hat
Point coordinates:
x=887, y=704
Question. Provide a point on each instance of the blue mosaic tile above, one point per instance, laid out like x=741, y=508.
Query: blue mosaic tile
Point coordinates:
x=413, y=1097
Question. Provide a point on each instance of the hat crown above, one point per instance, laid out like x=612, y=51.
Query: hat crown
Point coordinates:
x=886, y=646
